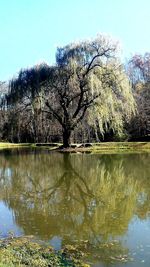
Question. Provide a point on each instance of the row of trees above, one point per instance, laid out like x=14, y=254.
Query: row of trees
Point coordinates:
x=139, y=75
x=87, y=95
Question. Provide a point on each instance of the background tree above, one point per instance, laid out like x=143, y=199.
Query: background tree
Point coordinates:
x=3, y=107
x=25, y=94
x=139, y=73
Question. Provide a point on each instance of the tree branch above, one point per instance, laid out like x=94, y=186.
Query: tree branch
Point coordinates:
x=53, y=112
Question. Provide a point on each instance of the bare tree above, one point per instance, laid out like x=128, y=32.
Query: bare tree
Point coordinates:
x=139, y=73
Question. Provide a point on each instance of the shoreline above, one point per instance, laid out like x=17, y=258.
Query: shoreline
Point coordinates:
x=104, y=147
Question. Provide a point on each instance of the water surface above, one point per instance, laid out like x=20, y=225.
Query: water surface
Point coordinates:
x=67, y=198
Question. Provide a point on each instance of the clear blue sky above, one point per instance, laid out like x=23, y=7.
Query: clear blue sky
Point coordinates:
x=30, y=30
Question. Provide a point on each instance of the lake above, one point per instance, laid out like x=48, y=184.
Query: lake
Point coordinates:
x=67, y=198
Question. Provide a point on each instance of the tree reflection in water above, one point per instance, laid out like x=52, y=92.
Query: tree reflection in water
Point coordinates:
x=75, y=197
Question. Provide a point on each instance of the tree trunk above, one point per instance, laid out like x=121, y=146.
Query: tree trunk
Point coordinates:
x=66, y=137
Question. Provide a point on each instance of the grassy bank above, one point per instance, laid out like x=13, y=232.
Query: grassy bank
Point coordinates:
x=116, y=147
x=106, y=147
x=25, y=251
x=21, y=252
x=5, y=145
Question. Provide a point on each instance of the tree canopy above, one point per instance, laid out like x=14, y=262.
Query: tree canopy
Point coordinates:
x=87, y=81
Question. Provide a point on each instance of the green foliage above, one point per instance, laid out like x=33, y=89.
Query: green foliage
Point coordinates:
x=24, y=252
x=116, y=104
x=87, y=82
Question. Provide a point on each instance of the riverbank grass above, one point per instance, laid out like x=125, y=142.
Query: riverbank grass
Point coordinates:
x=23, y=251
x=104, y=147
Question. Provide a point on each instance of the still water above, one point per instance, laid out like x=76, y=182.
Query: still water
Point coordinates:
x=67, y=198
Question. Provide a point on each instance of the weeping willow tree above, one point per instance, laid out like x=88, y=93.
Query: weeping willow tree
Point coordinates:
x=116, y=104
x=26, y=94
x=86, y=80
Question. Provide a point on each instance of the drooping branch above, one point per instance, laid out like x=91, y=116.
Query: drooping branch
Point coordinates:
x=53, y=112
